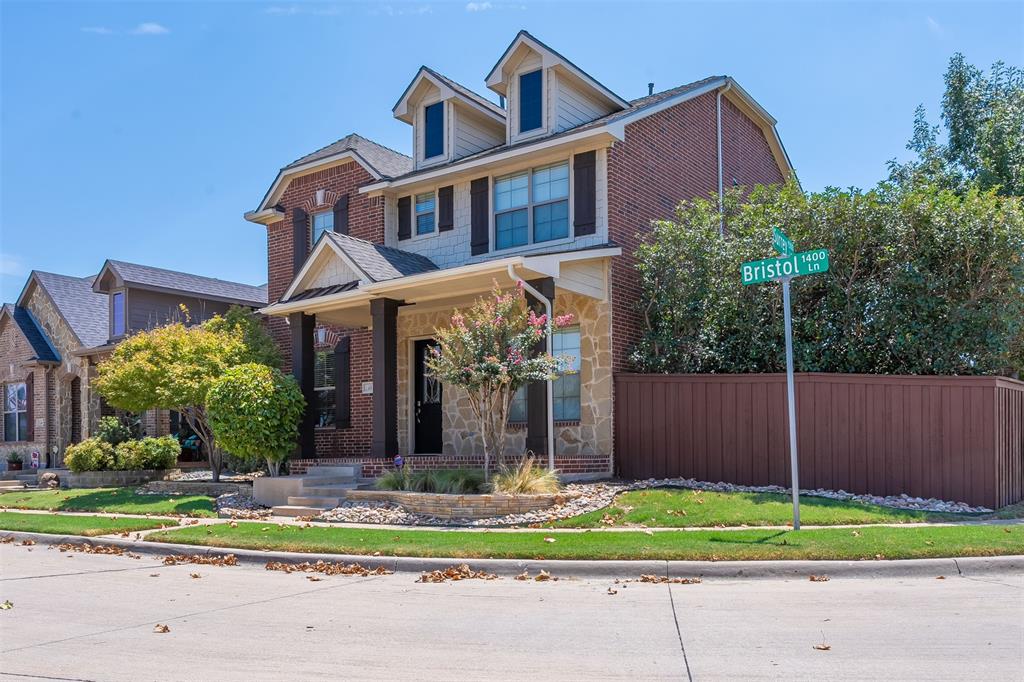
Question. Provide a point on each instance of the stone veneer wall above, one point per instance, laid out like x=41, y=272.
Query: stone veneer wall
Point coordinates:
x=591, y=436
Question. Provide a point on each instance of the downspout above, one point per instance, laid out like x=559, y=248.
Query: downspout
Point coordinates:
x=550, y=391
x=721, y=190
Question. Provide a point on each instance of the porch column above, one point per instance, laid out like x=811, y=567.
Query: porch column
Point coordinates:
x=384, y=312
x=302, y=326
x=537, y=391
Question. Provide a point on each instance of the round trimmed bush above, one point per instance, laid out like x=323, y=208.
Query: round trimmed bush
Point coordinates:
x=148, y=453
x=92, y=454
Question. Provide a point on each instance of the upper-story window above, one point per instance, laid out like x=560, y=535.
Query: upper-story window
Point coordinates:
x=425, y=213
x=321, y=222
x=15, y=412
x=433, y=130
x=534, y=201
x=531, y=101
x=117, y=313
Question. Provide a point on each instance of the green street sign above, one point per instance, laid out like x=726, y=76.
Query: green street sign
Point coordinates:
x=804, y=263
x=783, y=246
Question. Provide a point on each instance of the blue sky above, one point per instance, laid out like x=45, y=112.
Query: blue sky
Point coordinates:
x=143, y=131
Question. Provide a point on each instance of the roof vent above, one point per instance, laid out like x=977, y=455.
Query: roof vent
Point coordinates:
x=650, y=89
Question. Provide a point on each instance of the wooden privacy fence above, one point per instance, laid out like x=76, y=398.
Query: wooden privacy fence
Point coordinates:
x=952, y=438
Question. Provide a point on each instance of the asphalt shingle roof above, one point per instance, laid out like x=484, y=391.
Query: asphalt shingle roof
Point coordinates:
x=184, y=282
x=381, y=263
x=33, y=332
x=387, y=162
x=466, y=92
x=85, y=311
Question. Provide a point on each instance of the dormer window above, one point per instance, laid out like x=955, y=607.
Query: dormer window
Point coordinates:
x=425, y=213
x=531, y=101
x=433, y=143
x=320, y=223
x=117, y=313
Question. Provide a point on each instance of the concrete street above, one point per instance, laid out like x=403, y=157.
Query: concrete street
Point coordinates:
x=87, y=617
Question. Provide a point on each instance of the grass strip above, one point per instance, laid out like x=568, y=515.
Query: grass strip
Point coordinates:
x=76, y=525
x=112, y=500
x=677, y=508
x=827, y=543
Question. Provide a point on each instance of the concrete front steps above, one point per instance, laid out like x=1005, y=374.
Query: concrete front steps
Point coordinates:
x=18, y=480
x=322, y=488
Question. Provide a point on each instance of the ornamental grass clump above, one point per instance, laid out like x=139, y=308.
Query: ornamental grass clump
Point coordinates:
x=448, y=482
x=489, y=351
x=525, y=478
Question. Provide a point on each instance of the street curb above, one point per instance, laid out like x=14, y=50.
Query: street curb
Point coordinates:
x=562, y=568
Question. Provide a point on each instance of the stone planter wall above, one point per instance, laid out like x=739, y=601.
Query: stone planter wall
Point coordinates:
x=460, y=506
x=110, y=479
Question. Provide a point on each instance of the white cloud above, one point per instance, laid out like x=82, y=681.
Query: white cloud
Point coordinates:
x=98, y=30
x=292, y=10
x=150, y=28
x=935, y=27
x=478, y=6
x=11, y=266
x=392, y=11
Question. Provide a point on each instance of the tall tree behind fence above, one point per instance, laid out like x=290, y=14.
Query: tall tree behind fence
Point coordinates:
x=948, y=437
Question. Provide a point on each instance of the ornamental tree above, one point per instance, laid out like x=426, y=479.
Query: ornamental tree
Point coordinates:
x=172, y=368
x=489, y=351
x=254, y=412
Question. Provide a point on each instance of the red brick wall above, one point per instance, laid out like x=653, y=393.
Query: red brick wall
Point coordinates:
x=373, y=467
x=667, y=157
x=366, y=221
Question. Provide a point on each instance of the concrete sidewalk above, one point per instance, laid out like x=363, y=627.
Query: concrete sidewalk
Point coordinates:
x=87, y=617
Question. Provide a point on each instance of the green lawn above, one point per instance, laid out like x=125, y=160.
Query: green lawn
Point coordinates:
x=827, y=543
x=675, y=508
x=113, y=500
x=76, y=525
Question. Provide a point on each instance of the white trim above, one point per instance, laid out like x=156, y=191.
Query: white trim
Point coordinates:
x=311, y=259
x=277, y=188
x=401, y=109
x=618, y=127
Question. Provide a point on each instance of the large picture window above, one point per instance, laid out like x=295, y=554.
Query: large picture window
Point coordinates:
x=323, y=385
x=321, y=222
x=15, y=412
x=565, y=389
x=535, y=201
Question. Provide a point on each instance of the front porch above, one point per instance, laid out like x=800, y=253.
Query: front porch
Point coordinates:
x=378, y=330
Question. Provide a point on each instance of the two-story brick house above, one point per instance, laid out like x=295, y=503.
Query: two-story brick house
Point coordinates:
x=369, y=250
x=62, y=327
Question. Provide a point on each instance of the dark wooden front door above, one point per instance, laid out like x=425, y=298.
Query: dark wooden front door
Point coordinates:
x=426, y=402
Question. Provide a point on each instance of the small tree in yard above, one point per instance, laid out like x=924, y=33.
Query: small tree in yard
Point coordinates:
x=172, y=367
x=254, y=411
x=488, y=351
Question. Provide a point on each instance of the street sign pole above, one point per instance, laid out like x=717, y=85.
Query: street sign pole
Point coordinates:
x=791, y=403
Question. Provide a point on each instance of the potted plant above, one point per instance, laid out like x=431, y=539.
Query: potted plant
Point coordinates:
x=14, y=461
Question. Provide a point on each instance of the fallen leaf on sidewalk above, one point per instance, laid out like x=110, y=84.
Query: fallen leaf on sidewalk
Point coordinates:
x=207, y=559
x=823, y=647
x=6, y=539
x=161, y=628
x=327, y=568
x=7, y=605
x=27, y=543
x=940, y=577
x=819, y=578
x=611, y=591
x=195, y=576
x=651, y=578
x=313, y=578
x=544, y=576
x=97, y=549
x=154, y=575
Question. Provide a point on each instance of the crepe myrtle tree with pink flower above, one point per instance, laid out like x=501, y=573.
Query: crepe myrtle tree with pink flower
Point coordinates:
x=489, y=351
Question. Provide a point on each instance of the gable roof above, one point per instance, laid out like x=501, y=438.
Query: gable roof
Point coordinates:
x=160, y=279
x=85, y=311
x=477, y=101
x=32, y=331
x=494, y=76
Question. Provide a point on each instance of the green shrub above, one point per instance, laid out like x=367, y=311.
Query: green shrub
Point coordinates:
x=449, y=482
x=89, y=455
x=113, y=431
x=148, y=453
x=525, y=478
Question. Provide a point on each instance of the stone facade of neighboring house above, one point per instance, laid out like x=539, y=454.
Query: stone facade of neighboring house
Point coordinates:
x=369, y=250
x=62, y=327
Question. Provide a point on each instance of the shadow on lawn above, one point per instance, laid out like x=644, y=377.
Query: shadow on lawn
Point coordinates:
x=123, y=500
x=766, y=540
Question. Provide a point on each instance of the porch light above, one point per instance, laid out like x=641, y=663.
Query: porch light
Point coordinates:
x=321, y=335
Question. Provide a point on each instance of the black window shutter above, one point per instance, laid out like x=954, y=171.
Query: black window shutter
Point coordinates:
x=584, y=188
x=479, y=217
x=445, y=208
x=30, y=407
x=342, y=384
x=341, y=215
x=404, y=217
x=300, y=236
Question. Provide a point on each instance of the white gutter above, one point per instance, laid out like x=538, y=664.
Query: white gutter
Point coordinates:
x=550, y=389
x=721, y=190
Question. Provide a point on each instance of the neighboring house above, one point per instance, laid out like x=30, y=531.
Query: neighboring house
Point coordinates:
x=370, y=250
x=62, y=326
